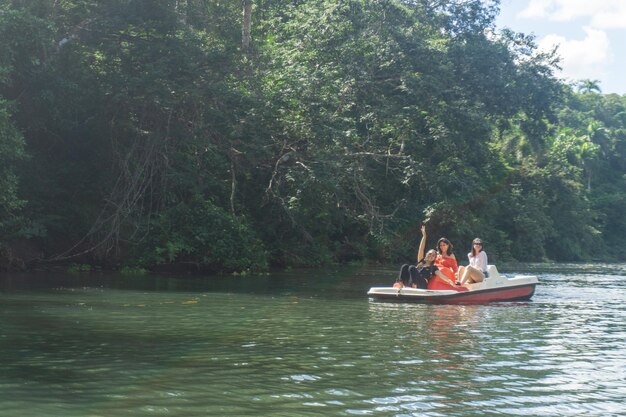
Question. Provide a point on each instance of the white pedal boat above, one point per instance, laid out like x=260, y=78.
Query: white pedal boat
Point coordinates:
x=494, y=288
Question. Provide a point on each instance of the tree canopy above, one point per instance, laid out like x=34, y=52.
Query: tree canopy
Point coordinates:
x=234, y=136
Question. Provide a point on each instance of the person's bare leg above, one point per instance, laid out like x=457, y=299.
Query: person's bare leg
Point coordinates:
x=464, y=277
x=459, y=273
x=474, y=274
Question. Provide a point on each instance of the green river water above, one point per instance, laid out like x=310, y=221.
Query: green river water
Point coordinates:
x=309, y=344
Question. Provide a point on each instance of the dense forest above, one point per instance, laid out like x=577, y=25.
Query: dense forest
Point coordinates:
x=226, y=136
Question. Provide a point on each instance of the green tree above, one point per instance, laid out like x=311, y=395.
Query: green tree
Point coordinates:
x=12, y=149
x=158, y=135
x=589, y=86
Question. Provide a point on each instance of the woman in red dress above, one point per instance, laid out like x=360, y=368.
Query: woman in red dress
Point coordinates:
x=447, y=265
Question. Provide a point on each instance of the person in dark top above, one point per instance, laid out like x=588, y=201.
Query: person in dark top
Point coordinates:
x=417, y=276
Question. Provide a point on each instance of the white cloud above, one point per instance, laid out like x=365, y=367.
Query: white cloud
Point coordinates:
x=582, y=59
x=535, y=9
x=601, y=14
x=608, y=20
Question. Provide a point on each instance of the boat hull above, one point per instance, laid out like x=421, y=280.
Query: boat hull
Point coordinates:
x=494, y=288
x=516, y=293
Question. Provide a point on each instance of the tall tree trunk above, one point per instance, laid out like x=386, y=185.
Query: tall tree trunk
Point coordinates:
x=233, y=186
x=234, y=154
x=247, y=16
x=182, y=9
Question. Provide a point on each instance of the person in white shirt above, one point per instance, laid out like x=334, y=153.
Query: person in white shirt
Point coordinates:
x=476, y=271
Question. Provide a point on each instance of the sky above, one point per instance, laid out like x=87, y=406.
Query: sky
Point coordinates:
x=591, y=35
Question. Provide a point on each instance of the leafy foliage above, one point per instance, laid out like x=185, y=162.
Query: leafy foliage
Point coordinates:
x=156, y=139
x=213, y=242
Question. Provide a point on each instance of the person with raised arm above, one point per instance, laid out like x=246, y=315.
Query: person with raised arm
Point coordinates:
x=425, y=274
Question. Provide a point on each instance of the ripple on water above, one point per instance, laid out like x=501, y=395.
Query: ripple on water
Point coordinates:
x=295, y=352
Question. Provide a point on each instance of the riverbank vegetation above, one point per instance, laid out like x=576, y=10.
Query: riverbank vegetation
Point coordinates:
x=233, y=136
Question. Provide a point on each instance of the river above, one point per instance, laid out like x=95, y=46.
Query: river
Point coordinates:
x=308, y=343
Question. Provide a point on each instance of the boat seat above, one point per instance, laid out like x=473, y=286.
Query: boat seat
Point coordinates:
x=492, y=271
